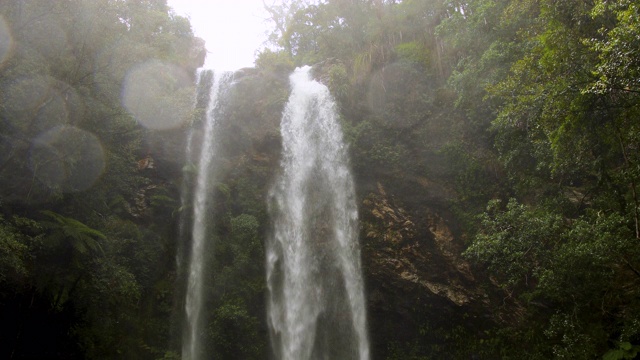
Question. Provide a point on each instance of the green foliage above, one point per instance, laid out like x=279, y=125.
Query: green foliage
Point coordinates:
x=277, y=61
x=81, y=237
x=232, y=323
x=515, y=242
x=540, y=258
x=532, y=101
x=235, y=318
x=617, y=48
x=555, y=79
x=91, y=262
x=625, y=351
x=414, y=52
x=339, y=81
x=14, y=251
x=472, y=176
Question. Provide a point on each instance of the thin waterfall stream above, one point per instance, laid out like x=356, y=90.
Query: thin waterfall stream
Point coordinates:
x=202, y=204
x=316, y=306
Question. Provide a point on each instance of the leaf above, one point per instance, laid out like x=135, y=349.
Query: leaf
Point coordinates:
x=613, y=355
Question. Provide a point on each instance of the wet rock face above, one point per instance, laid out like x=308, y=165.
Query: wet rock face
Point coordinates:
x=414, y=270
x=397, y=252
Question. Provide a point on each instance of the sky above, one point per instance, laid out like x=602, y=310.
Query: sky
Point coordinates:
x=233, y=29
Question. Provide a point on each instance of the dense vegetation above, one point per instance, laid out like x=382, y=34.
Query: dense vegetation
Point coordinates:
x=87, y=254
x=527, y=112
x=530, y=109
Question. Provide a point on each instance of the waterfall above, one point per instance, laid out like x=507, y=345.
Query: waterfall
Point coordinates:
x=202, y=204
x=316, y=304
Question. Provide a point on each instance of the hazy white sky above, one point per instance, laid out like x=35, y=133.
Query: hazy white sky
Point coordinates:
x=233, y=29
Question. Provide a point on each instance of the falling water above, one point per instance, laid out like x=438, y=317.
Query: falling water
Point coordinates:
x=316, y=292
x=201, y=207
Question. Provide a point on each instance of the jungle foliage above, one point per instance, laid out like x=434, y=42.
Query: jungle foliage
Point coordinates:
x=526, y=110
x=87, y=241
x=529, y=110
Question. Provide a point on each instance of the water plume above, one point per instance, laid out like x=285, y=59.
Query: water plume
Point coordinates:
x=316, y=292
x=202, y=205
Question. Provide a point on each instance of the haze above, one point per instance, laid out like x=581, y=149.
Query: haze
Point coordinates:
x=233, y=30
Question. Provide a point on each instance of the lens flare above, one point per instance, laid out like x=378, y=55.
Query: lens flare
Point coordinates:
x=114, y=59
x=67, y=159
x=22, y=98
x=52, y=113
x=38, y=103
x=152, y=93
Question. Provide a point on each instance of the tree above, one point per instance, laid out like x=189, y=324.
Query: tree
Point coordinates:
x=69, y=149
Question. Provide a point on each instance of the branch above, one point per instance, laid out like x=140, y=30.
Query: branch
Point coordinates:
x=631, y=266
x=636, y=215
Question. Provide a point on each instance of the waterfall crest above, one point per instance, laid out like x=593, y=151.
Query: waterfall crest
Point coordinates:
x=202, y=205
x=316, y=304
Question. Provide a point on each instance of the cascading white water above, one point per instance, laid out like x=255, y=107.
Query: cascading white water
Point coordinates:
x=191, y=346
x=316, y=292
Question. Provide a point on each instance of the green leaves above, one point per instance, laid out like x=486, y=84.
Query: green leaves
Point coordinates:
x=516, y=242
x=81, y=237
x=625, y=350
x=232, y=323
x=568, y=272
x=618, y=48
x=14, y=253
x=68, y=144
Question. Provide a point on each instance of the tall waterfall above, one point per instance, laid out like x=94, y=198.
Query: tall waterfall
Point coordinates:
x=202, y=204
x=316, y=292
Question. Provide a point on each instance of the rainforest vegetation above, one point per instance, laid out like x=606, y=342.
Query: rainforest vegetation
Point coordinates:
x=515, y=122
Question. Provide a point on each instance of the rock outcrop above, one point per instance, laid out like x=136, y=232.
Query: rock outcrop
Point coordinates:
x=415, y=274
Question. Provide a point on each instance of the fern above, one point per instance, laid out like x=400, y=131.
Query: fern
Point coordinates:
x=81, y=237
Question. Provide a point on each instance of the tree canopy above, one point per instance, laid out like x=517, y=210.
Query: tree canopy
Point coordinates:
x=524, y=113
